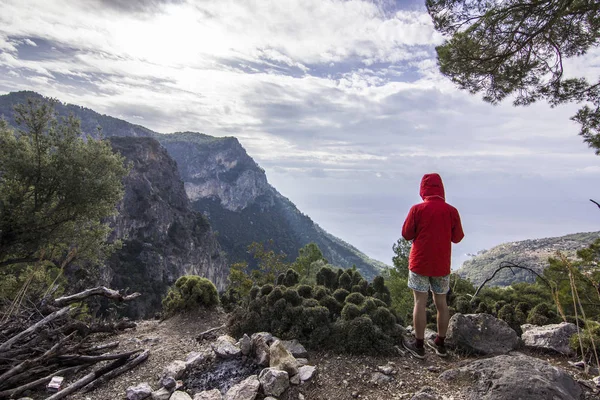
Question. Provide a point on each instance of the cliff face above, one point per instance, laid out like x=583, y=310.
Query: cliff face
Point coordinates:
x=532, y=253
x=163, y=238
x=225, y=184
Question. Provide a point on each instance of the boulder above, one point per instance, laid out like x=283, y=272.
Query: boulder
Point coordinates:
x=179, y=395
x=514, y=376
x=161, y=394
x=282, y=359
x=246, y=344
x=139, y=392
x=225, y=347
x=245, y=390
x=306, y=372
x=274, y=382
x=209, y=395
x=480, y=334
x=260, y=346
x=174, y=370
x=295, y=348
x=549, y=337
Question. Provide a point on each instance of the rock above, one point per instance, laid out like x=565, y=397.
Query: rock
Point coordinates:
x=514, y=376
x=139, y=392
x=430, y=334
x=179, y=395
x=550, y=337
x=306, y=372
x=260, y=346
x=195, y=359
x=281, y=359
x=300, y=396
x=386, y=369
x=377, y=378
x=295, y=380
x=596, y=380
x=161, y=394
x=302, y=361
x=274, y=382
x=245, y=390
x=225, y=347
x=209, y=395
x=433, y=368
x=246, y=344
x=270, y=398
x=480, y=334
x=425, y=393
x=174, y=370
x=169, y=382
x=295, y=348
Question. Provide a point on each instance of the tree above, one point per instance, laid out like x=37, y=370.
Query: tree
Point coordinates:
x=304, y=264
x=400, y=260
x=517, y=48
x=270, y=264
x=56, y=189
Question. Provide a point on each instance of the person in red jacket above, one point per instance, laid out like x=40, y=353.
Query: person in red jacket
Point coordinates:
x=432, y=226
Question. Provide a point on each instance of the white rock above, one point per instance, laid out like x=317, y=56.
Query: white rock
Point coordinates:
x=161, y=394
x=306, y=372
x=178, y=395
x=550, y=337
x=245, y=390
x=274, y=382
x=174, y=370
x=281, y=358
x=225, y=347
x=139, y=392
x=195, y=358
x=246, y=344
x=209, y=395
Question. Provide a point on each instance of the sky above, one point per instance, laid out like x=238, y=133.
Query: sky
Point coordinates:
x=341, y=102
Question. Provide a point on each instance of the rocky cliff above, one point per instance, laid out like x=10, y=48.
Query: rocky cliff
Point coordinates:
x=163, y=238
x=533, y=253
x=225, y=184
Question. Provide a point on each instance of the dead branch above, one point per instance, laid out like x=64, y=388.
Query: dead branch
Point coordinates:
x=202, y=335
x=97, y=291
x=510, y=266
x=101, y=347
x=94, y=359
x=6, y=345
x=117, y=371
x=31, y=385
x=595, y=202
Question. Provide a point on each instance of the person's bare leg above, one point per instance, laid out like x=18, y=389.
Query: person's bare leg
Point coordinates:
x=442, y=313
x=420, y=314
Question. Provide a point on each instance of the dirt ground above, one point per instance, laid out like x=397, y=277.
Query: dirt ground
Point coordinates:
x=339, y=376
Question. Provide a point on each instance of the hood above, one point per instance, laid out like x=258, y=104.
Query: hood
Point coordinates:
x=432, y=186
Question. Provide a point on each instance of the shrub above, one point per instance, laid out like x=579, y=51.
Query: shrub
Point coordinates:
x=309, y=303
x=462, y=305
x=355, y=298
x=275, y=295
x=332, y=305
x=292, y=297
x=320, y=292
x=291, y=278
x=587, y=336
x=280, y=279
x=265, y=290
x=384, y=318
x=345, y=281
x=190, y=292
x=340, y=295
x=369, y=305
x=361, y=336
x=305, y=291
x=327, y=277
x=507, y=314
x=350, y=311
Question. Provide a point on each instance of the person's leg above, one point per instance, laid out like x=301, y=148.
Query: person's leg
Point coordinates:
x=420, y=314
x=442, y=313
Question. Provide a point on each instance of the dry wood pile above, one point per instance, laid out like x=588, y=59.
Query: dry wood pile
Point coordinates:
x=38, y=344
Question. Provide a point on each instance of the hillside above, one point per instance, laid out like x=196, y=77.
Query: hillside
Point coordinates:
x=225, y=184
x=533, y=253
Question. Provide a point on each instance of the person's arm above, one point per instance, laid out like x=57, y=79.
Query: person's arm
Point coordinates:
x=457, y=230
x=409, y=229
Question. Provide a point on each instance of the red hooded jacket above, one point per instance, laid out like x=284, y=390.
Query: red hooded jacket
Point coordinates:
x=432, y=225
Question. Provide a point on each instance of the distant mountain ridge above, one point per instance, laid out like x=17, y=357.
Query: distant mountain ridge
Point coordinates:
x=224, y=183
x=532, y=253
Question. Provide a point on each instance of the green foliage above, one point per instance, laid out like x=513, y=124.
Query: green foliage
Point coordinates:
x=508, y=315
x=331, y=304
x=57, y=190
x=327, y=277
x=305, y=291
x=355, y=298
x=270, y=263
x=291, y=278
x=351, y=311
x=518, y=48
x=320, y=292
x=29, y=284
x=340, y=295
x=190, y=292
x=306, y=262
x=401, y=254
x=345, y=281
x=587, y=335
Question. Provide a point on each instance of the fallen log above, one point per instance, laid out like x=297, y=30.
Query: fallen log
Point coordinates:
x=203, y=335
x=116, y=372
x=94, y=359
x=32, y=385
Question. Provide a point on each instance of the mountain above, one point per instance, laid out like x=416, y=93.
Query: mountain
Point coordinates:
x=533, y=253
x=163, y=238
x=224, y=183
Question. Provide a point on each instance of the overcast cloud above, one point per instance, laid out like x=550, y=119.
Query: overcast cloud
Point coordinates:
x=340, y=101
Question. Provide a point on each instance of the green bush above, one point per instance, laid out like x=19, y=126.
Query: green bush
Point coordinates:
x=320, y=292
x=368, y=306
x=345, y=281
x=292, y=297
x=331, y=304
x=508, y=315
x=291, y=278
x=188, y=293
x=355, y=298
x=383, y=317
x=327, y=277
x=350, y=311
x=587, y=336
x=275, y=295
x=310, y=303
x=264, y=290
x=305, y=291
x=340, y=295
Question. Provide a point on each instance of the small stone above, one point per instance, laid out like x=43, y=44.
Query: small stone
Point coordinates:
x=300, y=396
x=386, y=369
x=179, y=395
x=246, y=344
x=161, y=394
x=302, y=361
x=306, y=372
x=214, y=394
x=139, y=392
x=345, y=383
x=295, y=380
x=433, y=368
x=245, y=390
x=273, y=381
x=168, y=382
x=378, y=378
x=596, y=380
x=355, y=394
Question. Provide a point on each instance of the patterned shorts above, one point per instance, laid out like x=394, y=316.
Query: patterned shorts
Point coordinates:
x=420, y=283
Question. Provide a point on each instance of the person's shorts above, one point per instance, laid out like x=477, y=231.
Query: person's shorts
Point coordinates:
x=420, y=283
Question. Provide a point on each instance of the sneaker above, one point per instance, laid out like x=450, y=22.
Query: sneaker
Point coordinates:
x=418, y=352
x=439, y=350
